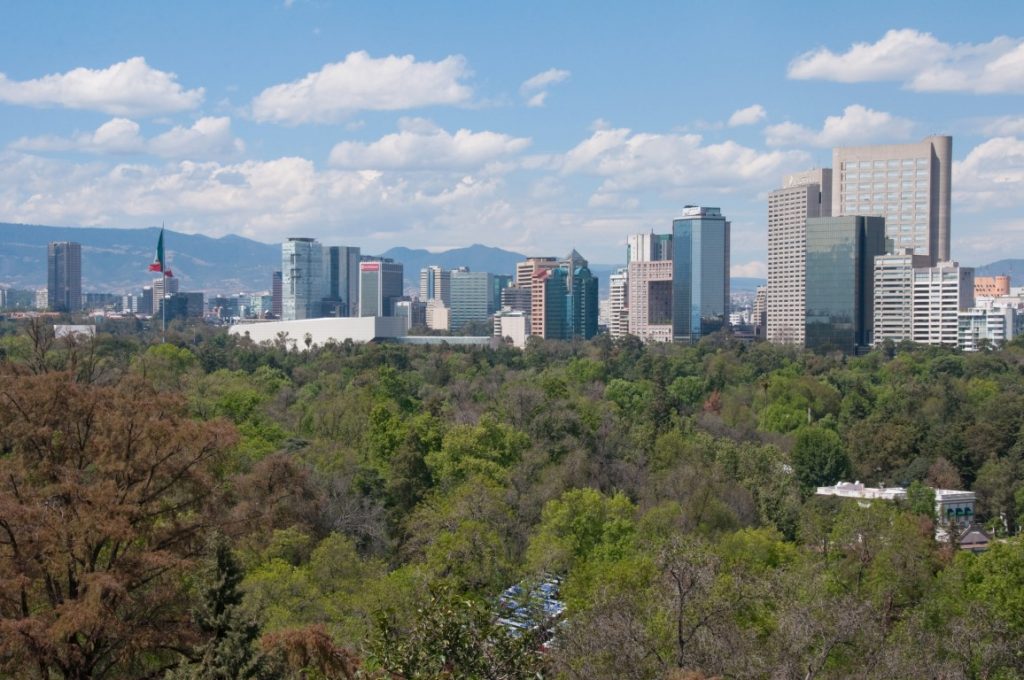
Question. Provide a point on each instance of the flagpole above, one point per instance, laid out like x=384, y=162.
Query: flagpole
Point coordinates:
x=163, y=292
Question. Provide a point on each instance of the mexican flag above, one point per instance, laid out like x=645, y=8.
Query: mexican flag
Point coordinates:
x=159, y=262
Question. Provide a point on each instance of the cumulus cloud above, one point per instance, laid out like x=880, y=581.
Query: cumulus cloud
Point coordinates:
x=364, y=83
x=755, y=269
x=259, y=199
x=1006, y=126
x=921, y=62
x=675, y=163
x=748, y=116
x=991, y=175
x=856, y=125
x=535, y=89
x=207, y=138
x=128, y=88
x=421, y=144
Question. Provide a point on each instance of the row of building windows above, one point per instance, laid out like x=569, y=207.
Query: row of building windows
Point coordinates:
x=891, y=163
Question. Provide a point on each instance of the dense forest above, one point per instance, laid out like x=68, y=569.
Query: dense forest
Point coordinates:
x=208, y=508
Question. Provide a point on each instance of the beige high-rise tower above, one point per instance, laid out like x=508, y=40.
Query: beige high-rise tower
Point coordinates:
x=907, y=184
x=803, y=195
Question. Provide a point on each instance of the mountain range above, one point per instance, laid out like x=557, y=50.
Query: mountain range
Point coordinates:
x=116, y=260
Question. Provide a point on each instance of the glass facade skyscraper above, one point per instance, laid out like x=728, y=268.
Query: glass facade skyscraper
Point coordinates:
x=700, y=273
x=342, y=273
x=470, y=297
x=302, y=284
x=64, y=276
x=840, y=256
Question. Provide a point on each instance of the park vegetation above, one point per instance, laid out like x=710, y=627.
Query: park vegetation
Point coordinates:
x=209, y=508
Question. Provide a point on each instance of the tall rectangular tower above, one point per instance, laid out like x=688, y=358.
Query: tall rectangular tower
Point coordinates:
x=908, y=184
x=380, y=286
x=275, y=294
x=470, y=297
x=341, y=273
x=435, y=284
x=64, y=276
x=302, y=279
x=840, y=256
x=940, y=292
x=803, y=195
x=700, y=273
x=894, y=295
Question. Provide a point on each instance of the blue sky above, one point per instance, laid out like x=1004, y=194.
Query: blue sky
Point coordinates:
x=532, y=126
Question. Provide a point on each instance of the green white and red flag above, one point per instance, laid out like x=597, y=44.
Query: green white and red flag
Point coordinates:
x=159, y=263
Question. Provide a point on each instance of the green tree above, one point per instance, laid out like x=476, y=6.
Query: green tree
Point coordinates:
x=230, y=651
x=819, y=458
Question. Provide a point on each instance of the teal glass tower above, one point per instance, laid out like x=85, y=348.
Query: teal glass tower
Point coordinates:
x=700, y=273
x=840, y=257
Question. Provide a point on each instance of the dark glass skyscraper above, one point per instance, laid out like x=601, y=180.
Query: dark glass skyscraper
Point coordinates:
x=64, y=276
x=341, y=264
x=840, y=256
x=700, y=273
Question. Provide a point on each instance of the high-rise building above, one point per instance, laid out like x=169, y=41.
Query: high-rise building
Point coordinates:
x=977, y=328
x=650, y=300
x=907, y=184
x=991, y=286
x=516, y=298
x=549, y=315
x=803, y=195
x=840, y=256
x=940, y=292
x=275, y=294
x=182, y=306
x=526, y=269
x=648, y=247
x=145, y=301
x=413, y=311
x=64, y=276
x=583, y=300
x=302, y=279
x=499, y=282
x=618, y=307
x=435, y=284
x=700, y=273
x=470, y=297
x=341, y=266
x=438, y=315
x=759, y=314
x=163, y=287
x=894, y=295
x=380, y=286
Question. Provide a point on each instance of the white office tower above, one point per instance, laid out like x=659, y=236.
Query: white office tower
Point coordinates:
x=990, y=327
x=650, y=300
x=618, y=304
x=804, y=194
x=302, y=279
x=908, y=184
x=648, y=247
x=435, y=284
x=894, y=295
x=163, y=287
x=438, y=315
x=940, y=292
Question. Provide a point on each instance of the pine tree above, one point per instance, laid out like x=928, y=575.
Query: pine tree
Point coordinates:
x=230, y=652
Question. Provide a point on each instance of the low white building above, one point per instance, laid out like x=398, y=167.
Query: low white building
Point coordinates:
x=993, y=325
x=512, y=324
x=951, y=505
x=321, y=331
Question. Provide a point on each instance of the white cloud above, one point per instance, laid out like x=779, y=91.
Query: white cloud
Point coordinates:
x=755, y=269
x=856, y=125
x=748, y=116
x=922, y=63
x=680, y=164
x=207, y=138
x=1006, y=126
x=421, y=144
x=361, y=83
x=128, y=88
x=258, y=199
x=534, y=89
x=991, y=175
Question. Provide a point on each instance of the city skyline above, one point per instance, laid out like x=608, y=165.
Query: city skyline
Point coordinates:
x=568, y=143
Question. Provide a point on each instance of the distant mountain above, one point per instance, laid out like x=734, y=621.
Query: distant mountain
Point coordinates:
x=116, y=260
x=477, y=257
x=1012, y=268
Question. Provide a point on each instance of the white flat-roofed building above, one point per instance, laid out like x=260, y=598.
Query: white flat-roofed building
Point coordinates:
x=951, y=505
x=907, y=184
x=510, y=323
x=979, y=326
x=894, y=295
x=940, y=292
x=323, y=330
